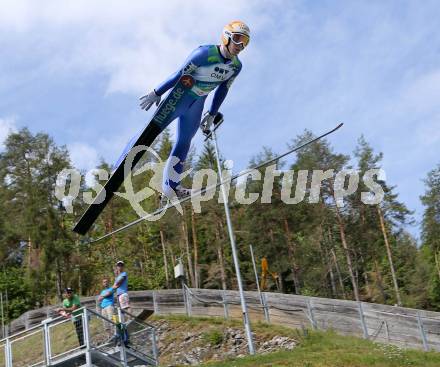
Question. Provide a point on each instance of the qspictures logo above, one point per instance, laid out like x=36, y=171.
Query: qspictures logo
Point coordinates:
x=292, y=187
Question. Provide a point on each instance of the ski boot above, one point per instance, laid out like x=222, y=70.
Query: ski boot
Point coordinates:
x=179, y=193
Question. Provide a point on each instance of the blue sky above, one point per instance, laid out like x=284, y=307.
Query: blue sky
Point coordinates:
x=75, y=69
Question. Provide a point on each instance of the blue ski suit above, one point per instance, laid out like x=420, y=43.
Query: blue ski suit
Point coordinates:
x=209, y=70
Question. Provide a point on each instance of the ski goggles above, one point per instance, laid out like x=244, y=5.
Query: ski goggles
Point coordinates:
x=240, y=39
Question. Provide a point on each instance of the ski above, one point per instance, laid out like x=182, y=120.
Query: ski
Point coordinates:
x=201, y=192
x=157, y=124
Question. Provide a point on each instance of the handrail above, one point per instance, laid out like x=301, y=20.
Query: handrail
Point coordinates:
x=24, y=336
x=48, y=355
x=25, y=331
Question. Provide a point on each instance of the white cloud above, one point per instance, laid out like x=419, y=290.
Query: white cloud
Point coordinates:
x=307, y=66
x=83, y=156
x=137, y=44
x=7, y=125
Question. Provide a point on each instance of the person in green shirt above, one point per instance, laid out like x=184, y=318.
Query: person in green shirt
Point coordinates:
x=71, y=308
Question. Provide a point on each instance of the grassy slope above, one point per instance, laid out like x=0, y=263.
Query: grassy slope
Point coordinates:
x=316, y=349
x=320, y=349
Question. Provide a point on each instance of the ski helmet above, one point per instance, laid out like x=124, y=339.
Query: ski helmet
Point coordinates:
x=237, y=32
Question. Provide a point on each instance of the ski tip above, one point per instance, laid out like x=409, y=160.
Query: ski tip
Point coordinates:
x=331, y=131
x=336, y=128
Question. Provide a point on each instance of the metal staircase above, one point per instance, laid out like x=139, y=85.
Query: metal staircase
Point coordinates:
x=88, y=339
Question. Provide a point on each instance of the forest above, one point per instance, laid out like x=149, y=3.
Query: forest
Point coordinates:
x=356, y=251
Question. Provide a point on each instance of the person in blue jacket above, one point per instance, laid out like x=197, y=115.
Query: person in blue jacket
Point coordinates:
x=121, y=286
x=106, y=303
x=211, y=67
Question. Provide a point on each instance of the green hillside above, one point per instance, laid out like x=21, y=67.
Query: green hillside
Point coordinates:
x=313, y=349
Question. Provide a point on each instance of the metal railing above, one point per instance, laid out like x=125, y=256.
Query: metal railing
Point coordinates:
x=142, y=337
x=16, y=352
x=86, y=336
x=69, y=331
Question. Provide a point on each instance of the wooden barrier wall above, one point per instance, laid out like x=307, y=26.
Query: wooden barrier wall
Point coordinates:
x=405, y=327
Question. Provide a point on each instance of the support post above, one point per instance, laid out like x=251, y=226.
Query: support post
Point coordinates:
x=185, y=301
x=362, y=318
x=86, y=336
x=387, y=331
x=266, y=308
x=188, y=300
x=8, y=353
x=422, y=332
x=311, y=314
x=155, y=305
x=122, y=347
x=225, y=305
x=180, y=274
x=47, y=349
x=246, y=321
x=154, y=343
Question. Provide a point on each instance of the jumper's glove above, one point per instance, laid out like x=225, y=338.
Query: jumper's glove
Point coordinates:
x=207, y=122
x=148, y=100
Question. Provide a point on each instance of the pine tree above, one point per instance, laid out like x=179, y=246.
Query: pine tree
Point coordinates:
x=431, y=231
x=28, y=169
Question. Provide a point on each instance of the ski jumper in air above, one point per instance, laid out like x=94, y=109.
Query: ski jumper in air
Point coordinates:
x=208, y=68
